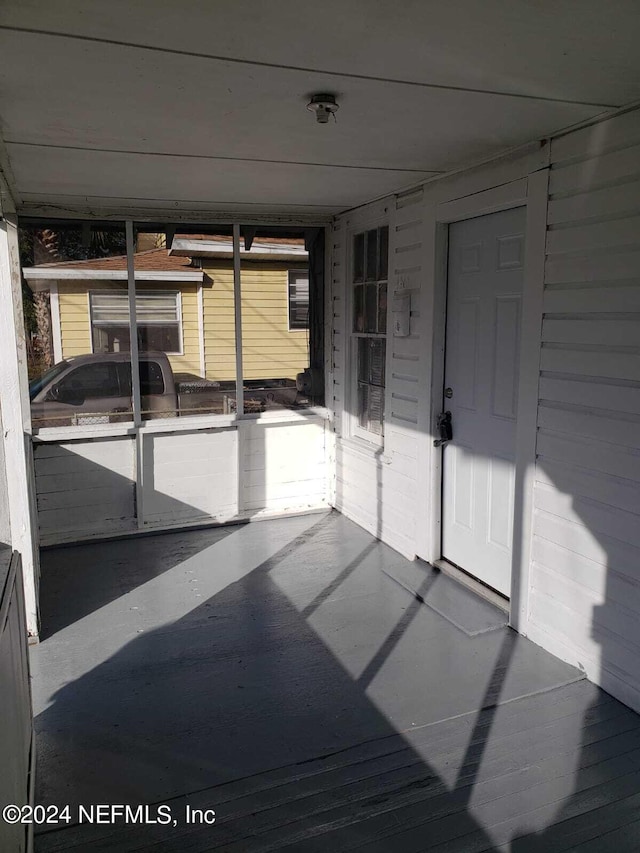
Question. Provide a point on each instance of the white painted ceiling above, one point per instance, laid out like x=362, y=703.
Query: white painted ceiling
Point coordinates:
x=192, y=106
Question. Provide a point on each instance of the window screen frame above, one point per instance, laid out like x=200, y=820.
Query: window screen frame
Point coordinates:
x=163, y=292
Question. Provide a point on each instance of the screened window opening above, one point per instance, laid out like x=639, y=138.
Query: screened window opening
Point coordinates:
x=61, y=259
x=282, y=332
x=191, y=361
x=370, y=274
x=298, y=300
x=157, y=315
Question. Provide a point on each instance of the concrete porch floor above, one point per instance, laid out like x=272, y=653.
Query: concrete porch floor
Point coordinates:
x=280, y=674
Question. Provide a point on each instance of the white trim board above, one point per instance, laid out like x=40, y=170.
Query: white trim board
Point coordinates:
x=528, y=382
x=201, y=337
x=224, y=249
x=439, y=212
x=56, y=329
x=17, y=419
x=62, y=274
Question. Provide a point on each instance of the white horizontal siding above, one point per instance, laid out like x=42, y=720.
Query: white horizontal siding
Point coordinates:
x=377, y=487
x=585, y=571
x=85, y=487
x=284, y=467
x=190, y=477
x=16, y=713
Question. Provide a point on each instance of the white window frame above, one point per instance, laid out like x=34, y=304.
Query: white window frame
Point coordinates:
x=305, y=330
x=355, y=431
x=178, y=294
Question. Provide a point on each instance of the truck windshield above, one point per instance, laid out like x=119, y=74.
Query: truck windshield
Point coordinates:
x=36, y=385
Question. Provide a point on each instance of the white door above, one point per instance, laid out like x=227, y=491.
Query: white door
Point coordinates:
x=484, y=301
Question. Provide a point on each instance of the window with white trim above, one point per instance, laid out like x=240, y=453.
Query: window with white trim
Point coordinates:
x=369, y=277
x=157, y=315
x=298, y=300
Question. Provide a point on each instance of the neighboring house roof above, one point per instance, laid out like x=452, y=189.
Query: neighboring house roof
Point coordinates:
x=151, y=265
x=163, y=265
x=151, y=259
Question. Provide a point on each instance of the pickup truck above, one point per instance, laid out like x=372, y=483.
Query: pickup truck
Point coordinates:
x=96, y=388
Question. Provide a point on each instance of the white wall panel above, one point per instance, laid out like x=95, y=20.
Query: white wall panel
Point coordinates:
x=377, y=487
x=284, y=466
x=85, y=488
x=89, y=488
x=189, y=476
x=585, y=572
x=16, y=724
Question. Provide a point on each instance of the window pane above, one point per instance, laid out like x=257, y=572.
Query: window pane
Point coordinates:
x=358, y=308
x=89, y=380
x=382, y=308
x=371, y=308
x=376, y=408
x=377, y=353
x=110, y=307
x=363, y=405
x=383, y=254
x=61, y=261
x=159, y=339
x=370, y=372
x=363, y=359
x=157, y=314
x=111, y=339
x=87, y=393
x=358, y=257
x=157, y=391
x=151, y=379
x=372, y=255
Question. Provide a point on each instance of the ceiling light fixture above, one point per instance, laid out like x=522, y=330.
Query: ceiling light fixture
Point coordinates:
x=324, y=106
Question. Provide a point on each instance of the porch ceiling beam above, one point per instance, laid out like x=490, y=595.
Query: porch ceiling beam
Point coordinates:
x=187, y=216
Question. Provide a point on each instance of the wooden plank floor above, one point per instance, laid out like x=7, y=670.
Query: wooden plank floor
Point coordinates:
x=279, y=674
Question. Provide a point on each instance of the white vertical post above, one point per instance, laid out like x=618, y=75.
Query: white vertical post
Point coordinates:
x=237, y=302
x=133, y=325
x=56, y=330
x=16, y=419
x=135, y=375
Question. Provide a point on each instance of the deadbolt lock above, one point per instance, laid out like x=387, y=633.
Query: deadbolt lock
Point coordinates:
x=448, y=393
x=445, y=429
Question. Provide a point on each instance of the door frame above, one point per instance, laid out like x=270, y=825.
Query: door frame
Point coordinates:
x=530, y=192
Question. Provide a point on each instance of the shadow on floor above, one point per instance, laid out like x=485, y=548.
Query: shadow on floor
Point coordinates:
x=277, y=675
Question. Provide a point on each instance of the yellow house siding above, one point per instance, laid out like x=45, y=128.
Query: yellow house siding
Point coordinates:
x=75, y=323
x=219, y=322
x=269, y=349
x=75, y=326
